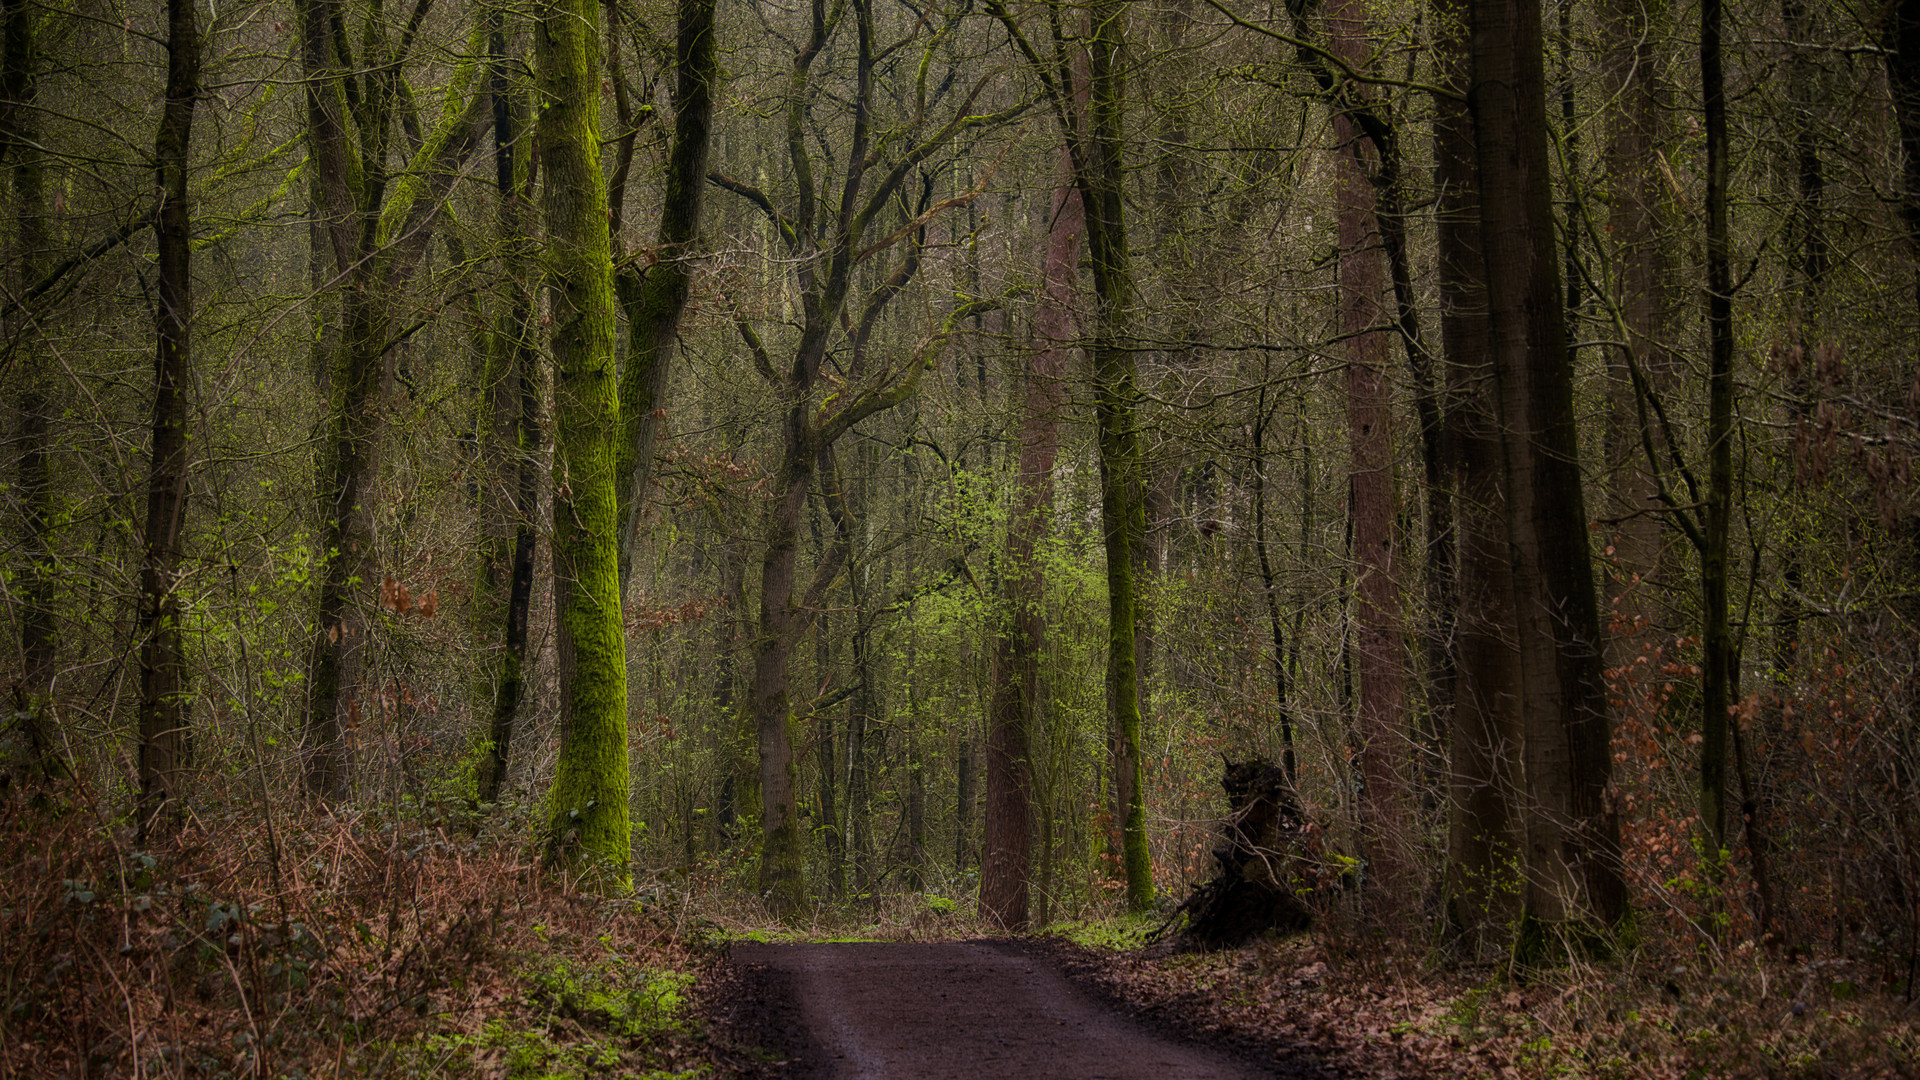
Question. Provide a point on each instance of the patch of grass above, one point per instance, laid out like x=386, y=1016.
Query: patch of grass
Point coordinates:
x=1111, y=933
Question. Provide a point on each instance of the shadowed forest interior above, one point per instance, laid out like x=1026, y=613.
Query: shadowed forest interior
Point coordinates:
x=788, y=461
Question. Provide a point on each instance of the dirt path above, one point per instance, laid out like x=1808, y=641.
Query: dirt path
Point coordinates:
x=953, y=1011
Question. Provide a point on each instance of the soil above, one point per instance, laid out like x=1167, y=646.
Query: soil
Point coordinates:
x=1000, y=1010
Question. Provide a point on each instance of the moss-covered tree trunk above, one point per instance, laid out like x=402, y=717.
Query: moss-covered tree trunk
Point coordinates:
x=589, y=830
x=376, y=229
x=1099, y=165
x=164, y=736
x=654, y=299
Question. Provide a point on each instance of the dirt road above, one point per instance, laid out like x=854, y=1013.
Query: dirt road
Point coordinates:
x=952, y=1011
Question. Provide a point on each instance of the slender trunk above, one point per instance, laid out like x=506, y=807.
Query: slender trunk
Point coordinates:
x=655, y=301
x=510, y=437
x=165, y=743
x=1270, y=587
x=1099, y=167
x=588, y=826
x=26, y=172
x=1572, y=836
x=1718, y=679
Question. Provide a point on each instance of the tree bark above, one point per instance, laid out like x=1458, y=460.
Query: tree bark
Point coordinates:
x=1386, y=824
x=26, y=172
x=655, y=298
x=1573, y=875
x=588, y=826
x=1718, y=688
x=1099, y=166
x=1643, y=286
x=165, y=737
x=1008, y=859
x=1485, y=734
x=510, y=428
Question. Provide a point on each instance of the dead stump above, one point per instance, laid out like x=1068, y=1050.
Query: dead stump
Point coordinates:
x=1260, y=869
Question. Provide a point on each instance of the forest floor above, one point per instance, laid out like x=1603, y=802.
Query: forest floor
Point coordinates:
x=370, y=945
x=1309, y=1006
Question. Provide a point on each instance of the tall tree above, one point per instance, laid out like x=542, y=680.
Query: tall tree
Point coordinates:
x=587, y=812
x=1485, y=734
x=1639, y=292
x=1381, y=665
x=376, y=223
x=655, y=298
x=1571, y=853
x=1017, y=687
x=1719, y=678
x=825, y=228
x=508, y=419
x=1094, y=137
x=25, y=160
x=164, y=735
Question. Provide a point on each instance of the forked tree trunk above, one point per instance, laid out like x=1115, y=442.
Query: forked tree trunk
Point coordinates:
x=656, y=298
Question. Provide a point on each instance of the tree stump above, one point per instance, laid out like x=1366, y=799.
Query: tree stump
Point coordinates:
x=1260, y=873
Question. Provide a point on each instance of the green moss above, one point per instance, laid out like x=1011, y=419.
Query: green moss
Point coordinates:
x=588, y=1020
x=1129, y=931
x=589, y=830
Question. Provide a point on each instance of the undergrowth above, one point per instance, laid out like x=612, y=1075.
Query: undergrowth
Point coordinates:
x=244, y=945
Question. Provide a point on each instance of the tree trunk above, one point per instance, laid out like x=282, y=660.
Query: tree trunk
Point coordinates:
x=1270, y=587
x=1485, y=735
x=1008, y=861
x=1718, y=678
x=165, y=742
x=1635, y=225
x=1381, y=665
x=588, y=825
x=1099, y=165
x=20, y=143
x=1573, y=875
x=655, y=299
x=510, y=435
x=376, y=234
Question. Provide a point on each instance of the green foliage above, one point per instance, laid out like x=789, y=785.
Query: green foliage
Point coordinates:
x=1130, y=930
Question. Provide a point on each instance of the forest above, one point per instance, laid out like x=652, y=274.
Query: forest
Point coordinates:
x=674, y=469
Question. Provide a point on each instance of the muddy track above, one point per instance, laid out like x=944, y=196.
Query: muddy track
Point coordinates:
x=983, y=1010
